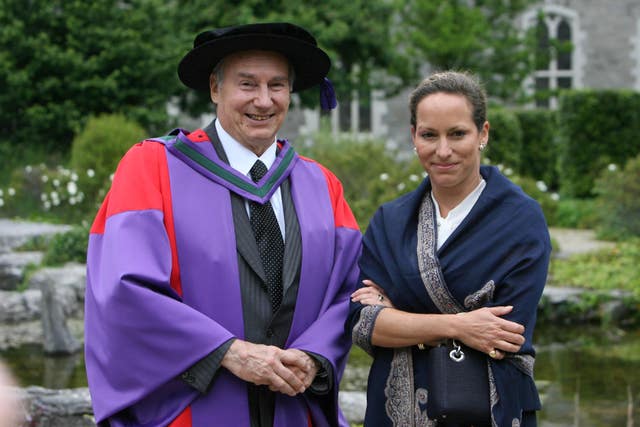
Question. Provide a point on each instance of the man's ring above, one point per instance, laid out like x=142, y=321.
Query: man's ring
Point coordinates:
x=380, y=297
x=493, y=354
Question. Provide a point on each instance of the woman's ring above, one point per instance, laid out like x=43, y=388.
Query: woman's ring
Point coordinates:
x=493, y=354
x=380, y=297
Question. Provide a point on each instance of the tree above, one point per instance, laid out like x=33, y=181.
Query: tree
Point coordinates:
x=62, y=61
x=356, y=34
x=480, y=36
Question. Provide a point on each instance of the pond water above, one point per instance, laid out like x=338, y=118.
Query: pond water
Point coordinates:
x=588, y=377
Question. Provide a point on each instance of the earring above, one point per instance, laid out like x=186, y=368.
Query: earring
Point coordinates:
x=482, y=147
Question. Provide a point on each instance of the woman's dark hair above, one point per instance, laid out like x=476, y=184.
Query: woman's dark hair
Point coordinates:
x=454, y=82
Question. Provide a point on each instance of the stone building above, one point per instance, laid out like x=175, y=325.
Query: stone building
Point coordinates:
x=605, y=35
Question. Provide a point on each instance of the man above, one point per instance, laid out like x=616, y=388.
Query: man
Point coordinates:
x=214, y=300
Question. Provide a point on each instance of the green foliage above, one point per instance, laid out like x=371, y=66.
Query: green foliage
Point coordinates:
x=619, y=201
x=371, y=173
x=608, y=269
x=479, y=36
x=42, y=193
x=576, y=213
x=68, y=247
x=96, y=151
x=62, y=61
x=539, y=145
x=596, y=128
x=505, y=138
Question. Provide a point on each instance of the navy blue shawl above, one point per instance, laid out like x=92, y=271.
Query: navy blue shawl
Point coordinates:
x=504, y=238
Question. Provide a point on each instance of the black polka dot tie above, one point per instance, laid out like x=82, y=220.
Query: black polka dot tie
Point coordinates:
x=269, y=239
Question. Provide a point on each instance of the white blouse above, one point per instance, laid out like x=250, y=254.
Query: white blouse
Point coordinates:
x=446, y=226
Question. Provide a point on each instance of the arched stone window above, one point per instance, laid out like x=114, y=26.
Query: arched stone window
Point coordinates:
x=558, y=55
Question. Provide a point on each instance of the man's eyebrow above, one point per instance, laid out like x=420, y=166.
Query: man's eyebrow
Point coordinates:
x=252, y=76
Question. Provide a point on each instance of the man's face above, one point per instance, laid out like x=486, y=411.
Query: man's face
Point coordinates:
x=253, y=98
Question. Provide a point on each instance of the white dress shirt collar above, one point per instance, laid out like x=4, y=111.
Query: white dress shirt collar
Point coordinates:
x=240, y=157
x=446, y=226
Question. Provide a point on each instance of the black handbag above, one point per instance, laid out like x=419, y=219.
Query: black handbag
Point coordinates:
x=458, y=385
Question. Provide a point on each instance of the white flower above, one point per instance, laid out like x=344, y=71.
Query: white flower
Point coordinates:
x=413, y=177
x=11, y=191
x=46, y=206
x=56, y=182
x=28, y=169
x=72, y=187
x=612, y=167
x=54, y=195
x=91, y=173
x=555, y=197
x=74, y=176
x=384, y=176
x=425, y=174
x=508, y=171
x=111, y=177
x=55, y=202
x=72, y=200
x=541, y=186
x=1, y=202
x=44, y=178
x=401, y=186
x=44, y=197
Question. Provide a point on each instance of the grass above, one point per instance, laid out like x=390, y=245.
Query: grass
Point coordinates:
x=606, y=269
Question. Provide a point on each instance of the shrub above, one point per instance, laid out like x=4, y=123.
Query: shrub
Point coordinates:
x=596, y=128
x=505, y=138
x=618, y=201
x=576, y=213
x=370, y=172
x=43, y=193
x=538, y=158
x=96, y=151
x=70, y=246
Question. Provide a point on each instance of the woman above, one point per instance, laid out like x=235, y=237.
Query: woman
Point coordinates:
x=464, y=256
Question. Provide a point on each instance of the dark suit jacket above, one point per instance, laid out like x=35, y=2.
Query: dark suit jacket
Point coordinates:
x=261, y=325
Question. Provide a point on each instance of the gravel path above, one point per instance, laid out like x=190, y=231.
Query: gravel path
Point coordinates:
x=572, y=241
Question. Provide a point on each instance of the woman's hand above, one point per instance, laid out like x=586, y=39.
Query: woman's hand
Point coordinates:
x=485, y=330
x=371, y=294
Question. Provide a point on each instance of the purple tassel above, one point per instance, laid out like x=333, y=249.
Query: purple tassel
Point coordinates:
x=327, y=95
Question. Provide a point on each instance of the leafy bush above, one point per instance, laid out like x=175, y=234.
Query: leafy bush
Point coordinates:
x=43, y=193
x=576, y=213
x=371, y=173
x=505, y=138
x=538, y=158
x=596, y=128
x=95, y=152
x=618, y=201
x=68, y=247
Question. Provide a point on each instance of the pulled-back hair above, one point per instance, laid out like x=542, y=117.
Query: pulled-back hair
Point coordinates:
x=453, y=82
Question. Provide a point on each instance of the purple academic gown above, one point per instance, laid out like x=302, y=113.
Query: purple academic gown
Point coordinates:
x=163, y=288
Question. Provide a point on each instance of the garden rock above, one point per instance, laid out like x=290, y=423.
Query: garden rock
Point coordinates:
x=12, y=267
x=16, y=233
x=18, y=307
x=62, y=297
x=56, y=408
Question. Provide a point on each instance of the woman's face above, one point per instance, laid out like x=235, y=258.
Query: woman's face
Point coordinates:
x=447, y=142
